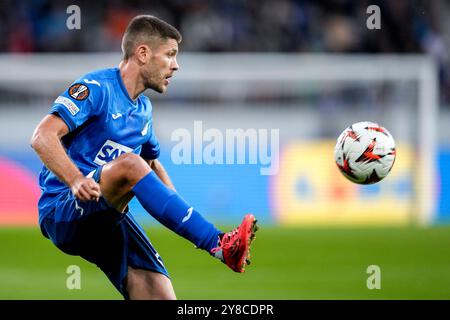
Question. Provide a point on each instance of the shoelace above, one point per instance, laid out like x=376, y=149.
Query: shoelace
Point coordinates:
x=225, y=240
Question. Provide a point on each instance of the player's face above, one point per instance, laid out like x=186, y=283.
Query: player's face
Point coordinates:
x=162, y=65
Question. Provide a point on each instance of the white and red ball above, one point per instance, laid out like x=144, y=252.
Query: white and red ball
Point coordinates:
x=365, y=152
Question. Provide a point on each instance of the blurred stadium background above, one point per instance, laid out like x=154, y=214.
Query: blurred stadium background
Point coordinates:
x=307, y=68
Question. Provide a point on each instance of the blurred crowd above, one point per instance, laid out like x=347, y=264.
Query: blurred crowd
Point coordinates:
x=407, y=26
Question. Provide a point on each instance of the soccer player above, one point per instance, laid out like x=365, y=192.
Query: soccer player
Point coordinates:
x=99, y=151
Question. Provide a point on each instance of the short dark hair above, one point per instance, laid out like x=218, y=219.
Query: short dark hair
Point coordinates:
x=146, y=29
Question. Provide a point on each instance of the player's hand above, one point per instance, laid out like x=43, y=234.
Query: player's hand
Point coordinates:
x=86, y=189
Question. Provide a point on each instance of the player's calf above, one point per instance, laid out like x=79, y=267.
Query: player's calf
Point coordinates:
x=119, y=176
x=171, y=210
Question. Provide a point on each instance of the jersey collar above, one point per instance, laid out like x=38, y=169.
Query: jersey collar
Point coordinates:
x=122, y=87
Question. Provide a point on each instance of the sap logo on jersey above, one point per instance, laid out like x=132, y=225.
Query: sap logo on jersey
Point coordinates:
x=110, y=151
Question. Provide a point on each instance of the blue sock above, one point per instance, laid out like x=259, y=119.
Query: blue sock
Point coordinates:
x=166, y=206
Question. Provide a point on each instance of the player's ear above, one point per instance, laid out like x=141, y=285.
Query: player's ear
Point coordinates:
x=143, y=53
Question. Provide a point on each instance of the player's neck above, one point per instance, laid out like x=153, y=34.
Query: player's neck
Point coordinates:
x=131, y=79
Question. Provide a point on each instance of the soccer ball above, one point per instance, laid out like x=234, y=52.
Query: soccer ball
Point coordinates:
x=365, y=152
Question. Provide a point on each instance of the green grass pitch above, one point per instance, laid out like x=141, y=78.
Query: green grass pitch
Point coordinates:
x=287, y=263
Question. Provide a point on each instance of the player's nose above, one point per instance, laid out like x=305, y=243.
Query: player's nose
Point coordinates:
x=175, y=65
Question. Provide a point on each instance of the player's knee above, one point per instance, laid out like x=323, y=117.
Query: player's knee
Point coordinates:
x=132, y=166
x=144, y=284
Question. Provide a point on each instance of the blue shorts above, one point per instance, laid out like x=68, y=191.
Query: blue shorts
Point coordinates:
x=102, y=235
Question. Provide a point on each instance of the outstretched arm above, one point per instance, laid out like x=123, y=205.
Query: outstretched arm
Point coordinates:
x=46, y=141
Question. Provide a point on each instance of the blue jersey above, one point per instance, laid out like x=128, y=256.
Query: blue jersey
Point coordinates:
x=104, y=122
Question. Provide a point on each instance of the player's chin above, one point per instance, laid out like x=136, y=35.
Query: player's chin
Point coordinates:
x=163, y=88
x=158, y=88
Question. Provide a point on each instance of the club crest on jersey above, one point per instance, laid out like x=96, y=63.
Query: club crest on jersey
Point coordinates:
x=79, y=91
x=110, y=151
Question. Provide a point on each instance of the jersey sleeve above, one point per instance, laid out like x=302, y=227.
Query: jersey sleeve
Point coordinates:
x=150, y=149
x=78, y=103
